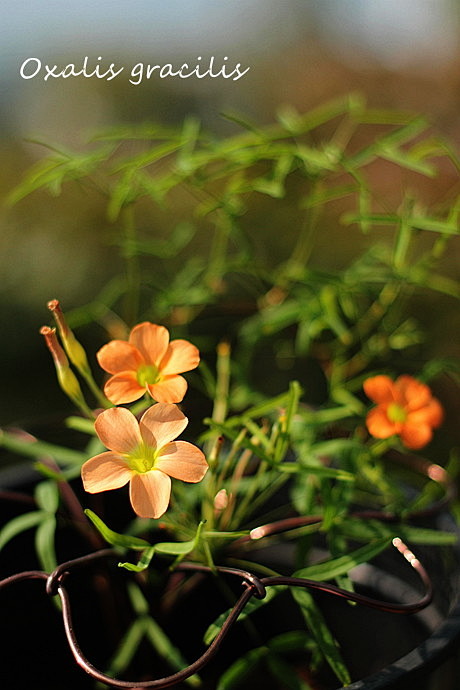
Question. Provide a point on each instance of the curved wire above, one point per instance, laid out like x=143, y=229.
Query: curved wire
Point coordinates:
x=254, y=587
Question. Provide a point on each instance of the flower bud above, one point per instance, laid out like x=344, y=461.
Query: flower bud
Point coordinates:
x=66, y=378
x=221, y=500
x=73, y=348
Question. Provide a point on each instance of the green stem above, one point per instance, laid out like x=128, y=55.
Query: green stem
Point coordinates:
x=96, y=391
x=132, y=265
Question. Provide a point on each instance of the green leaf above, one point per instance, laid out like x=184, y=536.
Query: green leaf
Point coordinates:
x=165, y=648
x=364, y=530
x=233, y=434
x=143, y=562
x=434, y=225
x=80, y=424
x=319, y=629
x=47, y=496
x=38, y=449
x=327, y=472
x=405, y=160
x=226, y=535
x=20, y=524
x=252, y=605
x=290, y=641
x=236, y=675
x=44, y=543
x=335, y=567
x=181, y=548
x=127, y=648
x=114, y=538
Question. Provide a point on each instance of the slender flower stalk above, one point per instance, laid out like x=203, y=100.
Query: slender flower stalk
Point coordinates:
x=66, y=378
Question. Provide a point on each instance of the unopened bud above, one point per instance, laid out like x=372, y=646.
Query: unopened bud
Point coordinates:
x=73, y=348
x=221, y=500
x=66, y=378
x=223, y=349
x=59, y=356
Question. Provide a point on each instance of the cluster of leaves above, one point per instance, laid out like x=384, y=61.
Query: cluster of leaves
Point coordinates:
x=278, y=307
x=227, y=190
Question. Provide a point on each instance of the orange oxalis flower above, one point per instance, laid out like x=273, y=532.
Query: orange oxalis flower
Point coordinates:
x=405, y=407
x=147, y=362
x=145, y=454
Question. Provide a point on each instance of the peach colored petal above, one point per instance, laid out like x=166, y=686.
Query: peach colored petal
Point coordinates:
x=415, y=394
x=380, y=389
x=431, y=414
x=182, y=460
x=150, y=493
x=180, y=356
x=170, y=390
x=162, y=423
x=118, y=355
x=379, y=425
x=415, y=436
x=123, y=388
x=118, y=429
x=104, y=472
x=151, y=340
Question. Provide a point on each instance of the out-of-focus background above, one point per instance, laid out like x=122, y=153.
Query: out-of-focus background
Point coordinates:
x=403, y=55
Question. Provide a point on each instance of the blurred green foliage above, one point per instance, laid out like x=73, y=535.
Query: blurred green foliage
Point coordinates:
x=286, y=239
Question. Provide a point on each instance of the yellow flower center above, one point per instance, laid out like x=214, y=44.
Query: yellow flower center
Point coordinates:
x=396, y=413
x=142, y=459
x=147, y=374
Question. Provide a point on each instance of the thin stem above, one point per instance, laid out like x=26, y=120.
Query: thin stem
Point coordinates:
x=132, y=265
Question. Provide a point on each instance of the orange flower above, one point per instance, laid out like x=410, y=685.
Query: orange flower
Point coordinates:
x=405, y=407
x=145, y=454
x=147, y=362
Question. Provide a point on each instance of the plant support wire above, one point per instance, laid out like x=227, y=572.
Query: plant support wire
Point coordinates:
x=253, y=586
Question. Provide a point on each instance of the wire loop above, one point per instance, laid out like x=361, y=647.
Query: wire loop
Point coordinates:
x=253, y=587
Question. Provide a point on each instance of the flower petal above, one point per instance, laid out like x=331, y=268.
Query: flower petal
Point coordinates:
x=379, y=425
x=161, y=423
x=171, y=389
x=151, y=340
x=380, y=389
x=182, y=460
x=118, y=429
x=104, y=472
x=415, y=393
x=431, y=414
x=123, y=388
x=415, y=436
x=150, y=493
x=180, y=356
x=118, y=355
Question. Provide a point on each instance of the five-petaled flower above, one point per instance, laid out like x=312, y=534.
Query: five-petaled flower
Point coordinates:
x=405, y=407
x=145, y=454
x=147, y=362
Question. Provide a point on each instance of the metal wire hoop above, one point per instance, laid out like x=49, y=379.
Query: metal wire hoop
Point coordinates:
x=253, y=587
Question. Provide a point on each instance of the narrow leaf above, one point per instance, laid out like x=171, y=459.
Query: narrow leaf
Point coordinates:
x=319, y=629
x=44, y=543
x=122, y=540
x=163, y=645
x=47, y=496
x=20, y=524
x=335, y=567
